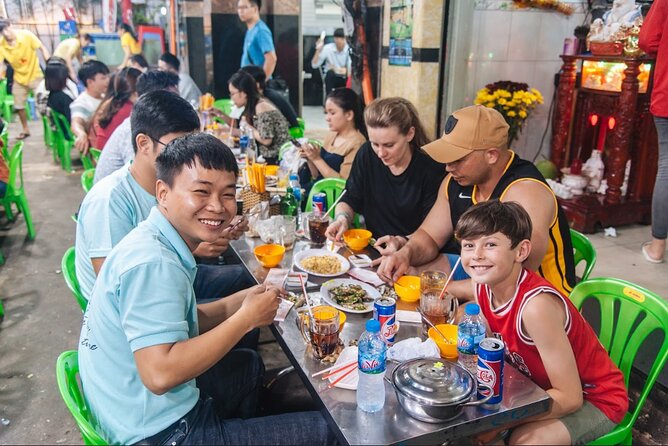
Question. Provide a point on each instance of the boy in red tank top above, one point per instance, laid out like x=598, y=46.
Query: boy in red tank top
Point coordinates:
x=546, y=337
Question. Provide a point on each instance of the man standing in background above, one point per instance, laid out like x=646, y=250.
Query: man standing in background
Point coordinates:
x=187, y=87
x=18, y=48
x=259, y=43
x=70, y=50
x=336, y=58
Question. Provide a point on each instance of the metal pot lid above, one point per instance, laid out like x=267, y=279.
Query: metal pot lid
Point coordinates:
x=433, y=381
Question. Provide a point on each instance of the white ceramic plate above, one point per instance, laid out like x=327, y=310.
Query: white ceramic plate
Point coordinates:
x=345, y=265
x=371, y=291
x=349, y=382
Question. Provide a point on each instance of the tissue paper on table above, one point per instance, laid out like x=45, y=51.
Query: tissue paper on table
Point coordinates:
x=367, y=276
x=412, y=348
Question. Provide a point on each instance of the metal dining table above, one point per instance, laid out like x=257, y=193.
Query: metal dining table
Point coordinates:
x=521, y=397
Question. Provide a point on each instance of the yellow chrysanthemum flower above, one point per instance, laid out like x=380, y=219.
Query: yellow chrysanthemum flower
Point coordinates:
x=512, y=114
x=522, y=114
x=489, y=105
x=502, y=101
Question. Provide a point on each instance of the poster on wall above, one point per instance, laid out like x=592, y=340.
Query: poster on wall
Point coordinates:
x=401, y=32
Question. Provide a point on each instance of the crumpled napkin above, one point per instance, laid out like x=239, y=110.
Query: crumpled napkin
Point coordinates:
x=412, y=348
x=366, y=275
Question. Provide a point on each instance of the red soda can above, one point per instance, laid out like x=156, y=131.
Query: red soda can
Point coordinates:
x=384, y=311
x=490, y=370
x=320, y=203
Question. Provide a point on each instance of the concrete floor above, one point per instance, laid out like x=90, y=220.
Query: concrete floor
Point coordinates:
x=42, y=318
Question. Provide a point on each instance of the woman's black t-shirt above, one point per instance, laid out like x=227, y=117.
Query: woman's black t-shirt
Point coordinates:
x=392, y=204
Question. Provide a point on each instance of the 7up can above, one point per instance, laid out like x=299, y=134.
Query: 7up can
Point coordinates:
x=490, y=370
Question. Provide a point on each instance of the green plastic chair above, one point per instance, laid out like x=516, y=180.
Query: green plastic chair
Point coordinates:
x=224, y=105
x=296, y=132
x=15, y=193
x=332, y=188
x=49, y=138
x=6, y=102
x=5, y=137
x=68, y=266
x=87, y=178
x=640, y=313
x=64, y=140
x=88, y=160
x=67, y=369
x=95, y=153
x=583, y=250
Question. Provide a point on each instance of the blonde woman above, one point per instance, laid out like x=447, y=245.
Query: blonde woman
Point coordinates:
x=392, y=182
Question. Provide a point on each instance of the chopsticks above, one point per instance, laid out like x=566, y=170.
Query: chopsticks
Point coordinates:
x=257, y=177
x=334, y=369
x=452, y=273
x=340, y=378
x=308, y=304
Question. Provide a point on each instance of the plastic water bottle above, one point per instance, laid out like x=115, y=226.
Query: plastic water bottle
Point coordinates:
x=470, y=332
x=296, y=187
x=371, y=368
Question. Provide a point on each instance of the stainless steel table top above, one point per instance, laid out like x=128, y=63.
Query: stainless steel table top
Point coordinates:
x=521, y=397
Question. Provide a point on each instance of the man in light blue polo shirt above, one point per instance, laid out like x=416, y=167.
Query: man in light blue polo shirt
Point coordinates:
x=258, y=43
x=119, y=202
x=147, y=349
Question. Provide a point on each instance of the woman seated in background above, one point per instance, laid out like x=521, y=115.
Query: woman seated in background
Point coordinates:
x=61, y=89
x=393, y=183
x=117, y=105
x=343, y=113
x=269, y=126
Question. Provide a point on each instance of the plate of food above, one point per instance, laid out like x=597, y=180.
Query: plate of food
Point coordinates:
x=322, y=262
x=349, y=295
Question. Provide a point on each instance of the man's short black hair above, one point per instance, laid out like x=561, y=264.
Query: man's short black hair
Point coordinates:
x=4, y=23
x=257, y=3
x=161, y=112
x=206, y=149
x=258, y=74
x=154, y=80
x=88, y=37
x=139, y=60
x=171, y=60
x=338, y=32
x=90, y=69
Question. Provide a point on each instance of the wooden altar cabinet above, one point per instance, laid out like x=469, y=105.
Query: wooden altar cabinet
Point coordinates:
x=633, y=137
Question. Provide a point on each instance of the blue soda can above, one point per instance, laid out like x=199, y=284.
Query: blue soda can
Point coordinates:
x=384, y=311
x=320, y=203
x=490, y=370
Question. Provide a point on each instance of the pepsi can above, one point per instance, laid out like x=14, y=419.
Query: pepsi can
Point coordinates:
x=384, y=311
x=490, y=370
x=320, y=203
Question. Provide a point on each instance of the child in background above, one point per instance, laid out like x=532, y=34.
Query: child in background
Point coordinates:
x=546, y=337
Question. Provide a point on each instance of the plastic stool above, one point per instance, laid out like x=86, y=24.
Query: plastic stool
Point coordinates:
x=31, y=112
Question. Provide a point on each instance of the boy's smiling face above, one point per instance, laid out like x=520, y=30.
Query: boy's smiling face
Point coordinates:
x=489, y=259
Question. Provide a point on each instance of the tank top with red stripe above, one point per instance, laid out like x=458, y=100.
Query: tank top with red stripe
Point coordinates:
x=602, y=382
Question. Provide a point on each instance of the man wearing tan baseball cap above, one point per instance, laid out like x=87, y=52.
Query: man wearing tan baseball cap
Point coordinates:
x=468, y=129
x=474, y=147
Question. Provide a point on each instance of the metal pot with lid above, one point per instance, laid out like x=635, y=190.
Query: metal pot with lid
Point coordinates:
x=434, y=390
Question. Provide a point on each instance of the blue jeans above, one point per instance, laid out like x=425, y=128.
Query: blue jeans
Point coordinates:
x=660, y=195
x=215, y=281
x=228, y=399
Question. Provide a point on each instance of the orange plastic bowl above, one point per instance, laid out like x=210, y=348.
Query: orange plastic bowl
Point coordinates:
x=448, y=350
x=408, y=288
x=357, y=239
x=269, y=255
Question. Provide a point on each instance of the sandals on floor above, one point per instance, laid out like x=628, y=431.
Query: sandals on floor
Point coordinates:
x=646, y=255
x=22, y=136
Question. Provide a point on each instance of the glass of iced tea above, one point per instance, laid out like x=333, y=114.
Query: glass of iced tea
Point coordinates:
x=317, y=226
x=437, y=310
x=322, y=333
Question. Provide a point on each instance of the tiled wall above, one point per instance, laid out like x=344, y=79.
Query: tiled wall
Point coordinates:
x=521, y=45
